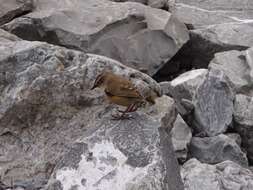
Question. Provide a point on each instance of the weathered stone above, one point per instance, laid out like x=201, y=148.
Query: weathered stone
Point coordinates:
x=13, y=8
x=6, y=36
x=213, y=104
x=125, y=35
x=202, y=13
x=186, y=84
x=132, y=154
x=213, y=150
x=222, y=176
x=238, y=66
x=64, y=122
x=181, y=138
x=236, y=137
x=243, y=117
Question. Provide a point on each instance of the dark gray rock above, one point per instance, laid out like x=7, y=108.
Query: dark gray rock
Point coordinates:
x=130, y=154
x=222, y=176
x=181, y=138
x=202, y=13
x=213, y=150
x=243, y=117
x=213, y=104
x=238, y=66
x=125, y=35
x=13, y=8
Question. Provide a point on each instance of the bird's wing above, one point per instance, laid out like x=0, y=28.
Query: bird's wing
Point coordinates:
x=124, y=89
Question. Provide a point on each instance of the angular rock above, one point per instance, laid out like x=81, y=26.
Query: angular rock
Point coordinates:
x=238, y=66
x=213, y=150
x=152, y=3
x=131, y=154
x=52, y=85
x=213, y=104
x=13, y=8
x=243, y=117
x=222, y=176
x=181, y=138
x=187, y=83
x=236, y=137
x=6, y=36
x=125, y=35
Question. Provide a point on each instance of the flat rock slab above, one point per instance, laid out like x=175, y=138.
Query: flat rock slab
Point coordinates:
x=130, y=154
x=122, y=31
x=225, y=175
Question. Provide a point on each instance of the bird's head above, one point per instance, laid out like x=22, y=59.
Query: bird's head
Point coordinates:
x=100, y=81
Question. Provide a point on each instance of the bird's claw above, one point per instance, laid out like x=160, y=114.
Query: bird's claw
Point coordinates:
x=121, y=117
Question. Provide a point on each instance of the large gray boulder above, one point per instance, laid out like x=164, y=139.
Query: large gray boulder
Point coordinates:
x=213, y=104
x=243, y=117
x=238, y=66
x=202, y=13
x=223, y=176
x=213, y=150
x=132, y=33
x=47, y=113
x=132, y=154
x=13, y=8
x=181, y=138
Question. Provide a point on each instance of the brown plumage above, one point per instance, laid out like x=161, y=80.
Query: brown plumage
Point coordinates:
x=121, y=91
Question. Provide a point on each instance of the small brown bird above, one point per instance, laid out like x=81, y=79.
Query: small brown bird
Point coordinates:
x=121, y=91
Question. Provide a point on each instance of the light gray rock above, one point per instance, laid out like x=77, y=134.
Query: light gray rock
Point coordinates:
x=181, y=138
x=125, y=35
x=213, y=104
x=187, y=83
x=202, y=13
x=213, y=150
x=13, y=8
x=130, y=154
x=6, y=36
x=238, y=66
x=49, y=120
x=243, y=117
x=236, y=137
x=152, y=3
x=223, y=176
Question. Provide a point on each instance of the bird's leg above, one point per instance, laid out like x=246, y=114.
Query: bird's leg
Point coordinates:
x=131, y=108
x=123, y=115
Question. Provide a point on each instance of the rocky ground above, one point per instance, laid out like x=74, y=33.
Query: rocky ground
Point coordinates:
x=57, y=134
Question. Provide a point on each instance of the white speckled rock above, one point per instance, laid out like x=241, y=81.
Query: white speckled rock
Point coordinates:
x=223, y=176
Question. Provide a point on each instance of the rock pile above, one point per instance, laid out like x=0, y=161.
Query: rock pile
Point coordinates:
x=57, y=134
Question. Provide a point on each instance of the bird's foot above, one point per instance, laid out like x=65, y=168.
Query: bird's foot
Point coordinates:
x=121, y=116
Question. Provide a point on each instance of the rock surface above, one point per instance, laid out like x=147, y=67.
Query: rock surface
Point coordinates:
x=52, y=85
x=238, y=66
x=202, y=13
x=213, y=150
x=132, y=154
x=181, y=138
x=13, y=8
x=126, y=35
x=222, y=176
x=243, y=117
x=213, y=104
